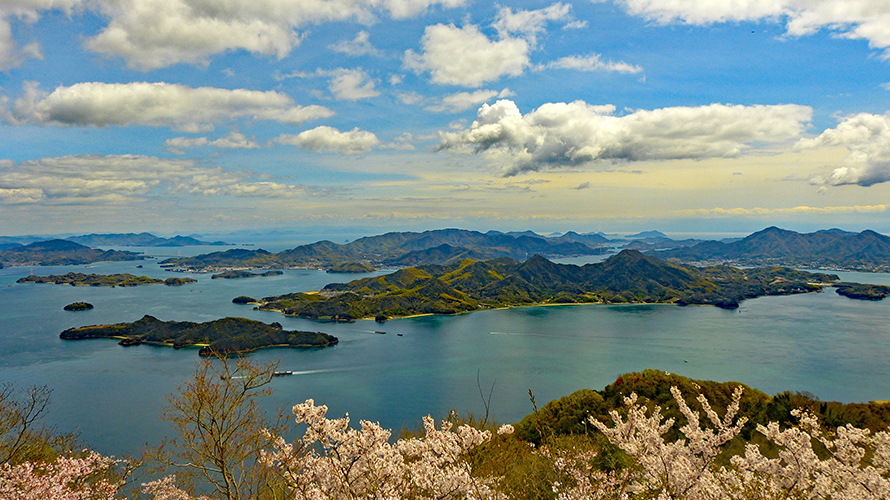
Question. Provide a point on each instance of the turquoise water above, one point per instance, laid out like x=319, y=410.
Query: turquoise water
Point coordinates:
x=823, y=343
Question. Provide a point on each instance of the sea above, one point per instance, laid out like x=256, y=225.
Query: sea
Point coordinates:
x=394, y=373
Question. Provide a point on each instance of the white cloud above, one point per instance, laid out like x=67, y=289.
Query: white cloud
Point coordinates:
x=867, y=137
x=235, y=140
x=466, y=57
x=329, y=139
x=156, y=105
x=351, y=84
x=401, y=9
x=576, y=133
x=360, y=46
x=90, y=179
x=529, y=23
x=589, y=63
x=152, y=34
x=857, y=19
x=462, y=101
x=345, y=84
x=409, y=97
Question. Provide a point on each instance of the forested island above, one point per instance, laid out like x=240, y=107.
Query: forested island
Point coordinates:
x=60, y=253
x=240, y=274
x=470, y=285
x=222, y=336
x=78, y=306
x=124, y=279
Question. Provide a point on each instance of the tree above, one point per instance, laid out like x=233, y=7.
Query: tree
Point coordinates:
x=23, y=436
x=220, y=429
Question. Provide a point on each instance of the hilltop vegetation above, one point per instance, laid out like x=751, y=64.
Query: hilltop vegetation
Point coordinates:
x=124, y=279
x=60, y=253
x=469, y=285
x=222, y=336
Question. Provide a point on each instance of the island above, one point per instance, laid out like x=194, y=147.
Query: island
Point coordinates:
x=629, y=277
x=238, y=274
x=244, y=299
x=78, y=306
x=125, y=279
x=221, y=336
x=863, y=292
x=61, y=253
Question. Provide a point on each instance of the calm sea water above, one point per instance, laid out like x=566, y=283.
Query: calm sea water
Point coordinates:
x=831, y=346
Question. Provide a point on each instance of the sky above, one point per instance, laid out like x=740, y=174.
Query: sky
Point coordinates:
x=206, y=116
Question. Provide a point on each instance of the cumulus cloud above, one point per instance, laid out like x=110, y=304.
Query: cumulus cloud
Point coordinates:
x=589, y=63
x=345, y=83
x=152, y=34
x=857, y=19
x=156, y=105
x=360, y=46
x=867, y=137
x=329, y=139
x=351, y=84
x=529, y=23
x=576, y=133
x=235, y=140
x=462, y=101
x=466, y=57
x=85, y=179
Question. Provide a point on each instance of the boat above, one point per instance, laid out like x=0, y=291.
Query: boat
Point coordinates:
x=282, y=372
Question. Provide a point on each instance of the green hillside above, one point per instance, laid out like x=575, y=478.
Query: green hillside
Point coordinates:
x=469, y=285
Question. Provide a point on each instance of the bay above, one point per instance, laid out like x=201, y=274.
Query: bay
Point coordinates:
x=825, y=344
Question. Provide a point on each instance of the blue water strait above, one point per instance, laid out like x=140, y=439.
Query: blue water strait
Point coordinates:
x=823, y=343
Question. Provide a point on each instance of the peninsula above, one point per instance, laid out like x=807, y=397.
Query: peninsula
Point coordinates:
x=470, y=285
x=125, y=279
x=222, y=336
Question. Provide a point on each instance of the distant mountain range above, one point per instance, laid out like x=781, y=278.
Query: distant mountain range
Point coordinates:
x=140, y=240
x=827, y=249
x=469, y=285
x=60, y=253
x=402, y=249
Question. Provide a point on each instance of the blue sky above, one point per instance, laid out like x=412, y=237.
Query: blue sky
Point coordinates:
x=183, y=116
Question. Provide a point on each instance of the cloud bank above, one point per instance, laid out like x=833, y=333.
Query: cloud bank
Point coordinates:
x=856, y=19
x=90, y=179
x=570, y=134
x=156, y=105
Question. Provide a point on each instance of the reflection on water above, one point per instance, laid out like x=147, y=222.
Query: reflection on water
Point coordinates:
x=823, y=343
